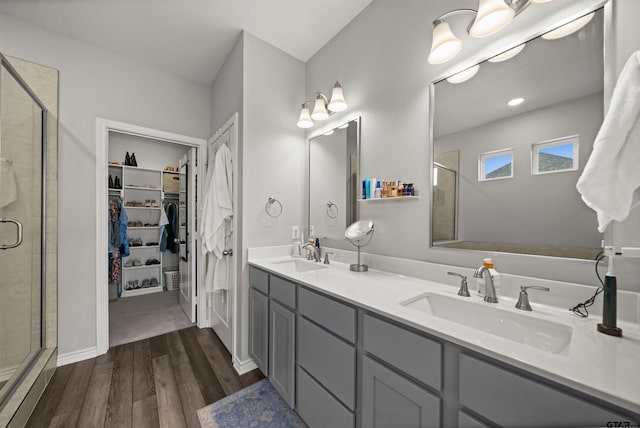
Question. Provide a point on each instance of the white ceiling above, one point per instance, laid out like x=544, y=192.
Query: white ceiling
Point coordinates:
x=190, y=38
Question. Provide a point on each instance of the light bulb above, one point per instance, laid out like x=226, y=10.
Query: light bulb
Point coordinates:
x=304, y=121
x=464, y=75
x=445, y=44
x=515, y=102
x=508, y=54
x=319, y=110
x=337, y=103
x=492, y=16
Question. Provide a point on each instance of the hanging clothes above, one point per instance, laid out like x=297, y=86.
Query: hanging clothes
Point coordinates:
x=172, y=227
x=216, y=220
x=164, y=222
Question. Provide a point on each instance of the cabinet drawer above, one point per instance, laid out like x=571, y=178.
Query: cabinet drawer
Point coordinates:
x=317, y=407
x=332, y=315
x=329, y=360
x=283, y=291
x=407, y=351
x=509, y=399
x=259, y=279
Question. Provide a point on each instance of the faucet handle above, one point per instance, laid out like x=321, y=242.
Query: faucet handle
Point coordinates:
x=523, y=299
x=464, y=289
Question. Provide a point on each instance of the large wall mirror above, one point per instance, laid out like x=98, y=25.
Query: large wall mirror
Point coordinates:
x=510, y=143
x=333, y=180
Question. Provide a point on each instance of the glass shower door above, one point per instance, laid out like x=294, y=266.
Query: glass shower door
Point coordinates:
x=21, y=227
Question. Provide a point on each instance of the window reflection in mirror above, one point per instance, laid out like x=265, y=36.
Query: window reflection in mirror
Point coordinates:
x=559, y=87
x=333, y=180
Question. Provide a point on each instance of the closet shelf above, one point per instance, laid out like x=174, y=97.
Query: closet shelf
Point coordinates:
x=142, y=208
x=141, y=291
x=152, y=189
x=142, y=227
x=137, y=247
x=141, y=267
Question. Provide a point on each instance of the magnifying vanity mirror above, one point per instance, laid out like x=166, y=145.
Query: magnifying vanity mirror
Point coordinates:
x=359, y=234
x=333, y=180
x=509, y=145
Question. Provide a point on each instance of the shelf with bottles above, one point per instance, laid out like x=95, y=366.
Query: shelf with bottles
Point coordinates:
x=390, y=198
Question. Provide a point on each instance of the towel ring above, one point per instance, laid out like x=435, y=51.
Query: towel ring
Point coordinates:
x=269, y=204
x=329, y=205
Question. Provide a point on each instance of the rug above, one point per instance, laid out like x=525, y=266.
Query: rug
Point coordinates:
x=258, y=405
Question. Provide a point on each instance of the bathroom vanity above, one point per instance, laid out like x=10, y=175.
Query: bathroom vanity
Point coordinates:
x=350, y=349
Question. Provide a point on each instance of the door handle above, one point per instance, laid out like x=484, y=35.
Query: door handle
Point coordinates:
x=18, y=234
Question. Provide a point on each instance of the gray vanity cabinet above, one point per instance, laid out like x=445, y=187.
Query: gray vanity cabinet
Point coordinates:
x=282, y=333
x=259, y=329
x=391, y=400
x=259, y=318
x=509, y=399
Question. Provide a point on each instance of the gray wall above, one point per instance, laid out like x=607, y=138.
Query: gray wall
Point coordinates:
x=266, y=86
x=96, y=83
x=528, y=209
x=380, y=59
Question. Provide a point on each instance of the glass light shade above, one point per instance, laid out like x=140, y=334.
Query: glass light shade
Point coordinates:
x=337, y=103
x=445, y=44
x=569, y=28
x=304, y=121
x=540, y=1
x=319, y=110
x=492, y=16
x=464, y=75
x=508, y=54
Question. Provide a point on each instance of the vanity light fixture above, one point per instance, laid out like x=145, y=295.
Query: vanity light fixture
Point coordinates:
x=464, y=75
x=322, y=107
x=491, y=17
x=515, y=102
x=508, y=54
x=569, y=28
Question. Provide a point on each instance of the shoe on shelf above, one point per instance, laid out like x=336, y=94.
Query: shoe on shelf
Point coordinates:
x=111, y=185
x=146, y=283
x=137, y=262
x=151, y=244
x=133, y=159
x=129, y=285
x=117, y=183
x=154, y=282
x=150, y=262
x=128, y=263
x=136, y=284
x=127, y=159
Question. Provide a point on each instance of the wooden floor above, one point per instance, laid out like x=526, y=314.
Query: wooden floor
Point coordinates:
x=156, y=382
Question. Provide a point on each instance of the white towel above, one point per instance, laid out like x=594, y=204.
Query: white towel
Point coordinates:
x=8, y=187
x=610, y=182
x=218, y=205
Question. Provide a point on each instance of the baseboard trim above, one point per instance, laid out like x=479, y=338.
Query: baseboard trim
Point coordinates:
x=243, y=367
x=74, y=357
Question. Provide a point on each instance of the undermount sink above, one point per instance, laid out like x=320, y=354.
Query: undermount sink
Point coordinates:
x=301, y=265
x=541, y=334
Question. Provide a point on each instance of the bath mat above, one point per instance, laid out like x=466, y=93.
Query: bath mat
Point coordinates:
x=256, y=406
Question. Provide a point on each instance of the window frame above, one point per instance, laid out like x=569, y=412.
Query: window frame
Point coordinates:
x=535, y=150
x=482, y=158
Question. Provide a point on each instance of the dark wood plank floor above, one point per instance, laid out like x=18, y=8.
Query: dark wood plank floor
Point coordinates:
x=156, y=382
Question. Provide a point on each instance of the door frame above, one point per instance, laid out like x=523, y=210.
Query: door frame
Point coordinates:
x=103, y=127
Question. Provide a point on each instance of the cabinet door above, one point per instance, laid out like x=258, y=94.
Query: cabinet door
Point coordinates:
x=391, y=401
x=282, y=333
x=258, y=329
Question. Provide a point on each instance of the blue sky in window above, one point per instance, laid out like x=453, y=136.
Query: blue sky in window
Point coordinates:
x=565, y=150
x=496, y=162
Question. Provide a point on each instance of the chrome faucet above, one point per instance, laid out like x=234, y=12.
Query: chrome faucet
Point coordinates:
x=316, y=252
x=490, y=290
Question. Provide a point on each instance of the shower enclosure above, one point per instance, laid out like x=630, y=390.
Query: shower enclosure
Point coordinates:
x=445, y=203
x=23, y=216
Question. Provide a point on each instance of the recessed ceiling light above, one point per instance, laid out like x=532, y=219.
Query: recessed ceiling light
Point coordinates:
x=515, y=102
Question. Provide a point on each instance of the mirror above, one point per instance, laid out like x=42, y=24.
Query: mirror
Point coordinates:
x=504, y=176
x=333, y=180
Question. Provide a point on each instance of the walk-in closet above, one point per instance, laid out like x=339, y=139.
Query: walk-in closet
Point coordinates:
x=148, y=213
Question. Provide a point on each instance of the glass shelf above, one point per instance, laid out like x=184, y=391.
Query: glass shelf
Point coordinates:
x=392, y=198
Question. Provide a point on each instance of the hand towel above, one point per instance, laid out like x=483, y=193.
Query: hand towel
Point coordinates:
x=610, y=182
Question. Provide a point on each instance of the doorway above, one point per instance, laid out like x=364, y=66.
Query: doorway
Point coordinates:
x=145, y=187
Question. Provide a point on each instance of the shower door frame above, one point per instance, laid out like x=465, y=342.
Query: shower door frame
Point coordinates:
x=15, y=381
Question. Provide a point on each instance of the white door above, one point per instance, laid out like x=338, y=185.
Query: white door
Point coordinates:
x=186, y=235
x=221, y=302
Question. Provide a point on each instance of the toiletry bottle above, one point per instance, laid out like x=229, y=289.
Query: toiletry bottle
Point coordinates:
x=378, y=192
x=494, y=275
x=368, y=187
x=364, y=189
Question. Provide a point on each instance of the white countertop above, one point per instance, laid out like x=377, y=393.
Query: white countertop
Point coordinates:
x=599, y=365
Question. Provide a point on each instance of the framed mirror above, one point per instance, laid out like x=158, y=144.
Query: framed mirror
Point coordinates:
x=333, y=180
x=510, y=143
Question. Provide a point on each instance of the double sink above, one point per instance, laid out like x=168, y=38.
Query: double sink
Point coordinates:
x=523, y=328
